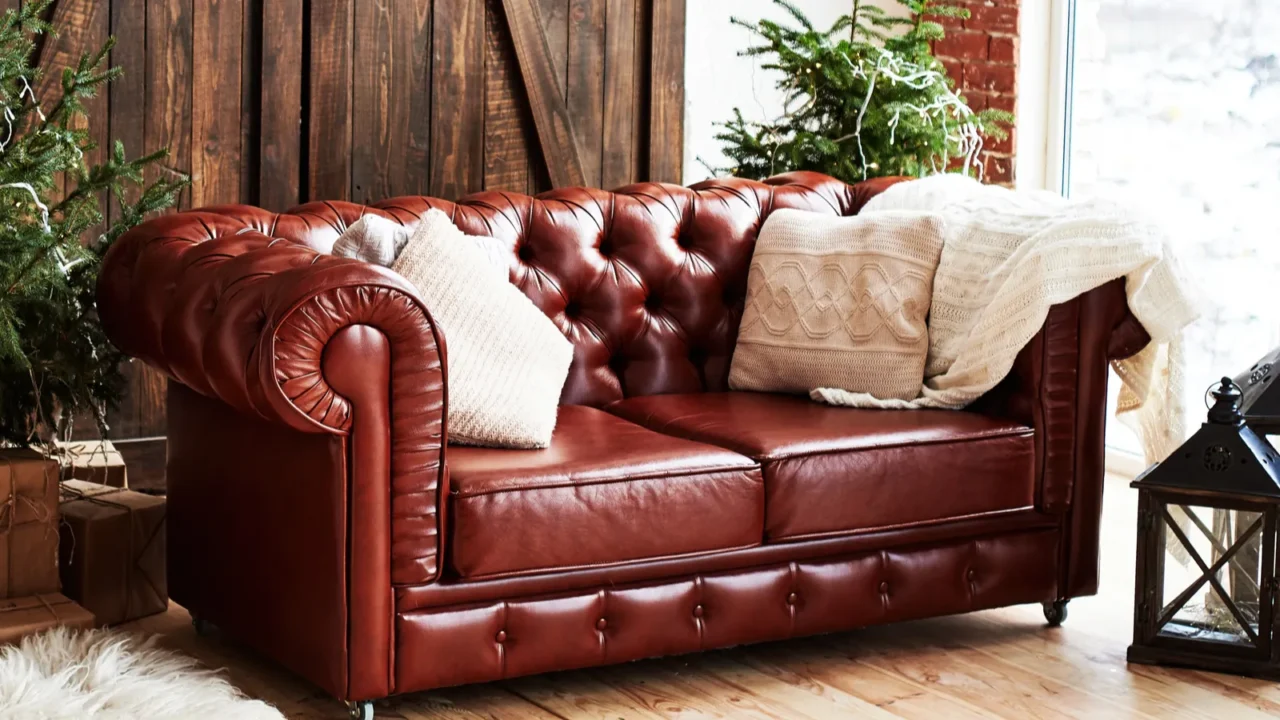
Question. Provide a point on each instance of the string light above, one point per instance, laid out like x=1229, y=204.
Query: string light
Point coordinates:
x=44, y=209
x=968, y=131
x=961, y=127
x=26, y=90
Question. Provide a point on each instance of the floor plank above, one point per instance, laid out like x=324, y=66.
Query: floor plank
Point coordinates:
x=890, y=691
x=995, y=664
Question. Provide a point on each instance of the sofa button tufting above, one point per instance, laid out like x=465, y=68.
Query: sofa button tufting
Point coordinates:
x=697, y=611
x=884, y=588
x=501, y=636
x=792, y=599
x=601, y=624
x=972, y=574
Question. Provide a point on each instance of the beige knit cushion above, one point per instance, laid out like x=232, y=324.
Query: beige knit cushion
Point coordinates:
x=838, y=302
x=507, y=361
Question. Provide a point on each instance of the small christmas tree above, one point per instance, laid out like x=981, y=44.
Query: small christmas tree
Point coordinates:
x=54, y=358
x=865, y=98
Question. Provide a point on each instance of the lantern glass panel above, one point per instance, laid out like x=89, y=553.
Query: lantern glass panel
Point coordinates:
x=1212, y=572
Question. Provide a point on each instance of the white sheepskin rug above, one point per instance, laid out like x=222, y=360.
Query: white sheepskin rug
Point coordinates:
x=64, y=673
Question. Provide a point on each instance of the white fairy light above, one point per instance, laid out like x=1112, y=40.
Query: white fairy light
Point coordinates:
x=26, y=90
x=9, y=116
x=881, y=66
x=891, y=67
x=64, y=264
x=8, y=121
x=44, y=209
x=857, y=130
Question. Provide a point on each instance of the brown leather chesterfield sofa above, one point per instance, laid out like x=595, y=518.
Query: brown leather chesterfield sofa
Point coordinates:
x=317, y=515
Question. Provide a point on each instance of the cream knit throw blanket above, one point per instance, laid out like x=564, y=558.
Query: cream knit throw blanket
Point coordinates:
x=1010, y=256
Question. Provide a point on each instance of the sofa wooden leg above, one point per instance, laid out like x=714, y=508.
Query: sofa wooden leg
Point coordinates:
x=1055, y=612
x=360, y=710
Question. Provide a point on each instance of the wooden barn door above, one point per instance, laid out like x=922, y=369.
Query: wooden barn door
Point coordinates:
x=278, y=102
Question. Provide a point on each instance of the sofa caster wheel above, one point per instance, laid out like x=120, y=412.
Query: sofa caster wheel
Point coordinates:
x=203, y=627
x=362, y=710
x=1055, y=612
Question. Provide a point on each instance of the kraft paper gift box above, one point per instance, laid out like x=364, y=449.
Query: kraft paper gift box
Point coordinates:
x=23, y=616
x=113, y=551
x=28, y=523
x=96, y=461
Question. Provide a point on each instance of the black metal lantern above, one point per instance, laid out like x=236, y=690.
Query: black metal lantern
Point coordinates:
x=1261, y=389
x=1206, y=573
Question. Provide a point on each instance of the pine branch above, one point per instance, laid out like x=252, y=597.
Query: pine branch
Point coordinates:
x=55, y=360
x=870, y=102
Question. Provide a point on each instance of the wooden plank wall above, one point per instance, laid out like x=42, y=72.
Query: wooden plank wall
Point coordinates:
x=278, y=102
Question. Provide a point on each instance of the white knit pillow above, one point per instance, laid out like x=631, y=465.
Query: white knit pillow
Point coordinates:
x=375, y=239
x=507, y=361
x=838, y=302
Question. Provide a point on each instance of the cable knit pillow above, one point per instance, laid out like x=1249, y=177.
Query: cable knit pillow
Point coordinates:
x=838, y=302
x=507, y=361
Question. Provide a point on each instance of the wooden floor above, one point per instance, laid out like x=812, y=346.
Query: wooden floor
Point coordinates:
x=996, y=664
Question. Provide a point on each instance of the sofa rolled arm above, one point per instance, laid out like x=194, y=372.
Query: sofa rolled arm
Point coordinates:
x=217, y=304
x=1058, y=386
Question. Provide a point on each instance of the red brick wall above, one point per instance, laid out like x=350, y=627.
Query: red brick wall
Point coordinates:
x=981, y=55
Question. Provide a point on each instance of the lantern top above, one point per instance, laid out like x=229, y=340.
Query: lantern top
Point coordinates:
x=1224, y=457
x=1261, y=396
x=1226, y=406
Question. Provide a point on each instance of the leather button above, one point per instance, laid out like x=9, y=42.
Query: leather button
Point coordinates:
x=884, y=588
x=572, y=309
x=697, y=611
x=972, y=574
x=792, y=599
x=501, y=636
x=525, y=253
x=601, y=624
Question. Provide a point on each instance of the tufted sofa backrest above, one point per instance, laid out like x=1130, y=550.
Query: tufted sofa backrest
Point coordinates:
x=647, y=281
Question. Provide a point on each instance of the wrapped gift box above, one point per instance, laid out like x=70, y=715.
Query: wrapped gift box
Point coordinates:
x=113, y=551
x=22, y=616
x=28, y=524
x=96, y=461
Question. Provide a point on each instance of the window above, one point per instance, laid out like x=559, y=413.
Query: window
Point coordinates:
x=1173, y=106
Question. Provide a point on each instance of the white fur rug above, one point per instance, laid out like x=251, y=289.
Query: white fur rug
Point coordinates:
x=64, y=673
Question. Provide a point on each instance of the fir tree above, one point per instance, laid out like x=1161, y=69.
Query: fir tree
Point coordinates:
x=55, y=360
x=864, y=98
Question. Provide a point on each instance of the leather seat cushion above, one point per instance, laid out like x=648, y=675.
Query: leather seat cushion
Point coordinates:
x=833, y=471
x=605, y=491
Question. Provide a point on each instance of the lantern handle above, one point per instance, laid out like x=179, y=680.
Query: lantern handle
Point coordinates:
x=1208, y=405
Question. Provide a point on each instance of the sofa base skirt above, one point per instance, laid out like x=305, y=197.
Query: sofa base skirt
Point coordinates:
x=486, y=641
